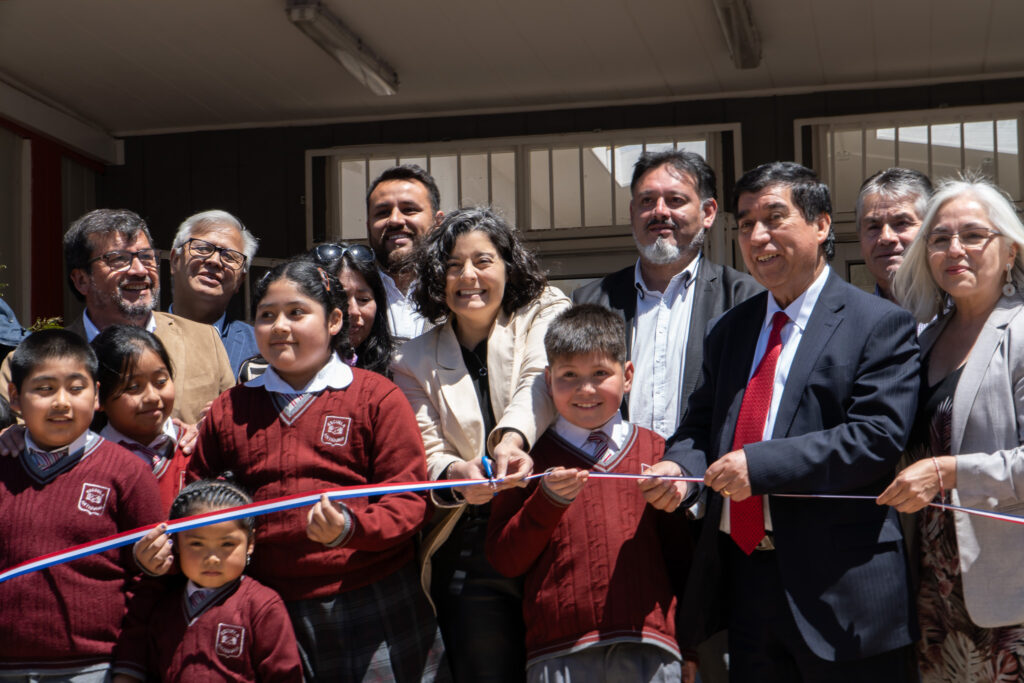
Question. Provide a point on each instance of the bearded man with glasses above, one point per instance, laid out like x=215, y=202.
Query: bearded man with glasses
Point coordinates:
x=210, y=257
x=113, y=267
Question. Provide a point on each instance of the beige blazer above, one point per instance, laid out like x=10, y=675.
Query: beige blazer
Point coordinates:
x=430, y=370
x=987, y=436
x=201, y=366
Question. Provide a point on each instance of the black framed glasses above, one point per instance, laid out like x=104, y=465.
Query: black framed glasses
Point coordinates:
x=326, y=254
x=202, y=249
x=121, y=259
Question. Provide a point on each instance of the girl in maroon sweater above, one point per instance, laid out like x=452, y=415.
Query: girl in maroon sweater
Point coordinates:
x=137, y=396
x=347, y=572
x=215, y=623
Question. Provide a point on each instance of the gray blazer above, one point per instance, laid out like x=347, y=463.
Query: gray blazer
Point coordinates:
x=987, y=437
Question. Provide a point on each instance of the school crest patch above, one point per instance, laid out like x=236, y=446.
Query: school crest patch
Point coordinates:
x=230, y=640
x=93, y=499
x=335, y=431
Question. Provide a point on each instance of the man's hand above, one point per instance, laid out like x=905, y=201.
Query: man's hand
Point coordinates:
x=511, y=462
x=12, y=441
x=153, y=551
x=189, y=436
x=477, y=494
x=663, y=494
x=326, y=522
x=728, y=475
x=565, y=483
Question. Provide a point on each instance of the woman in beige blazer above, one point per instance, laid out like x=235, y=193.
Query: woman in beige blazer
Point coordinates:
x=967, y=259
x=477, y=387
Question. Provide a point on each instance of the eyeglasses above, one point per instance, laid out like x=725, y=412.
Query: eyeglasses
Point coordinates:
x=326, y=254
x=202, y=249
x=971, y=238
x=121, y=259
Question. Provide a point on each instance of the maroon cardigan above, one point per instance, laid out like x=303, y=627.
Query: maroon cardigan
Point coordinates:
x=595, y=570
x=70, y=615
x=362, y=434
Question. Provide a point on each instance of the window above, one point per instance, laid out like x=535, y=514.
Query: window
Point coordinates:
x=550, y=187
x=938, y=143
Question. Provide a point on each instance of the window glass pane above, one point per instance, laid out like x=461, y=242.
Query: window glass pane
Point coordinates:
x=881, y=148
x=540, y=190
x=474, y=180
x=446, y=174
x=565, y=164
x=849, y=172
x=913, y=148
x=945, y=150
x=353, y=199
x=1008, y=162
x=503, y=184
x=660, y=147
x=696, y=146
x=419, y=161
x=597, y=185
x=625, y=159
x=378, y=166
x=979, y=147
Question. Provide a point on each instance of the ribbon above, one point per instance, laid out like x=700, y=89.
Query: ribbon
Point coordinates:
x=304, y=499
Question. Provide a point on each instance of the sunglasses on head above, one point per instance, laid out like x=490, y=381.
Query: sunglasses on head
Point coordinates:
x=326, y=254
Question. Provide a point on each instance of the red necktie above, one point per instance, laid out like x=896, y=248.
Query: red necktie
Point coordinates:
x=747, y=518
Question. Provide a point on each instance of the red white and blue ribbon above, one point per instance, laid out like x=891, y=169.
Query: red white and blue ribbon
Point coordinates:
x=306, y=499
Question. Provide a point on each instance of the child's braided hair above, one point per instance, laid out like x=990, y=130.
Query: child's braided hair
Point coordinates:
x=212, y=494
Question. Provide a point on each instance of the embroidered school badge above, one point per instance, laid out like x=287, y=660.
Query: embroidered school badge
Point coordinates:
x=335, y=432
x=230, y=640
x=93, y=499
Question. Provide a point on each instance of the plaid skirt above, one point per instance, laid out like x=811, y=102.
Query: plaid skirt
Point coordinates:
x=382, y=632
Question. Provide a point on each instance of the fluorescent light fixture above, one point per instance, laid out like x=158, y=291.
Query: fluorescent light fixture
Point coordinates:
x=741, y=35
x=337, y=40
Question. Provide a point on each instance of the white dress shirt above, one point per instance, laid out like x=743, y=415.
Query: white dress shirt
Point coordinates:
x=616, y=429
x=660, y=331
x=403, y=320
x=335, y=374
x=91, y=331
x=799, y=312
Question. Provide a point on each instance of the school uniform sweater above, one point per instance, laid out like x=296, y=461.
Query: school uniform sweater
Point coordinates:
x=242, y=634
x=595, y=572
x=69, y=615
x=169, y=469
x=362, y=434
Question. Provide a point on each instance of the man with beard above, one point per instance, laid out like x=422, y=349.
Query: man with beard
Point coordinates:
x=890, y=207
x=210, y=257
x=402, y=206
x=670, y=294
x=113, y=267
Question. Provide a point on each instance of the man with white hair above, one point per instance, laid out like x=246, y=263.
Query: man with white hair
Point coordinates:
x=210, y=257
x=668, y=297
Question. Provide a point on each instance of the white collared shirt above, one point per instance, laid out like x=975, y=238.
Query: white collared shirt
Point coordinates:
x=660, y=332
x=86, y=439
x=91, y=331
x=799, y=313
x=616, y=429
x=168, y=431
x=333, y=375
x=403, y=320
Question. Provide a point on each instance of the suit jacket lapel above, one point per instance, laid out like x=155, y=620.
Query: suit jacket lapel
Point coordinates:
x=989, y=340
x=457, y=390
x=622, y=296
x=825, y=318
x=700, y=315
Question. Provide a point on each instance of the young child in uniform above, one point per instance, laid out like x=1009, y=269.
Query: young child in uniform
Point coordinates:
x=70, y=486
x=599, y=602
x=137, y=395
x=347, y=572
x=215, y=623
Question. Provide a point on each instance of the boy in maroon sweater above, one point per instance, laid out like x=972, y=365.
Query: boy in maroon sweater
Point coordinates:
x=600, y=604
x=70, y=486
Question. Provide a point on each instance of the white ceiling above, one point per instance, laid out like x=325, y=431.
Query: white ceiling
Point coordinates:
x=160, y=65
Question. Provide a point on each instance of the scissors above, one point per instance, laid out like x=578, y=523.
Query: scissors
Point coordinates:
x=489, y=471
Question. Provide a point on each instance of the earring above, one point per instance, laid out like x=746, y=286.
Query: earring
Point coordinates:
x=248, y=559
x=1009, y=289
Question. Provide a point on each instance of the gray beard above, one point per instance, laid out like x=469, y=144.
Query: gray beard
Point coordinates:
x=663, y=252
x=138, y=314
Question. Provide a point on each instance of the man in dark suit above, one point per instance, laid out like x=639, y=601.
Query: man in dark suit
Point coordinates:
x=667, y=298
x=808, y=388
